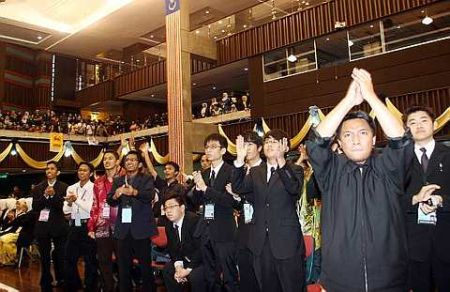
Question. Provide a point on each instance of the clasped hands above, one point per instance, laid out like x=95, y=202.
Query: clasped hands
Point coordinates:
x=361, y=87
x=280, y=150
x=425, y=194
x=126, y=190
x=181, y=274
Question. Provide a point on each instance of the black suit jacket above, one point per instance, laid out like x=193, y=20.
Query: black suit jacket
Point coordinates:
x=142, y=220
x=189, y=249
x=223, y=227
x=274, y=206
x=56, y=225
x=422, y=238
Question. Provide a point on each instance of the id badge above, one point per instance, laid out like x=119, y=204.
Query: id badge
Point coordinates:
x=77, y=222
x=43, y=216
x=248, y=213
x=423, y=218
x=106, y=211
x=126, y=215
x=209, y=211
x=163, y=213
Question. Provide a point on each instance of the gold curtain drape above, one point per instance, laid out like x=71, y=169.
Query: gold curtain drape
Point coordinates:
x=231, y=146
x=96, y=162
x=158, y=157
x=35, y=163
x=5, y=152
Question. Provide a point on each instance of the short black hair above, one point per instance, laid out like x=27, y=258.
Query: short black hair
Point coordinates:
x=358, y=115
x=174, y=196
x=253, y=137
x=216, y=137
x=419, y=108
x=88, y=164
x=135, y=152
x=277, y=134
x=174, y=165
x=55, y=163
x=116, y=155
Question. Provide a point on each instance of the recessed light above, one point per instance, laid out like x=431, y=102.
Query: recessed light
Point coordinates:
x=194, y=84
x=223, y=31
x=427, y=20
x=292, y=58
x=152, y=95
x=207, y=11
x=327, y=39
x=214, y=88
x=138, y=60
x=244, y=26
x=39, y=37
x=197, y=31
x=152, y=36
x=371, y=26
x=215, y=37
x=245, y=69
x=220, y=21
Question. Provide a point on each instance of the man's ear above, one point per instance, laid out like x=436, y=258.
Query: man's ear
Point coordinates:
x=223, y=151
x=58, y=173
x=374, y=140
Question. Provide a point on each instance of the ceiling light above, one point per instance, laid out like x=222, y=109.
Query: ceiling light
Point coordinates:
x=292, y=58
x=245, y=69
x=197, y=31
x=39, y=37
x=13, y=151
x=220, y=21
x=152, y=36
x=427, y=20
x=214, y=88
x=327, y=39
x=207, y=11
x=244, y=26
x=371, y=26
x=152, y=95
x=193, y=84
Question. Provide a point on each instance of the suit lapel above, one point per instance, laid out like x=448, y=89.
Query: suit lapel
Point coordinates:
x=435, y=159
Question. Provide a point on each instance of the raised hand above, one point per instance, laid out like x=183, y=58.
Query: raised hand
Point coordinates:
x=144, y=147
x=364, y=81
x=425, y=193
x=241, y=149
x=283, y=148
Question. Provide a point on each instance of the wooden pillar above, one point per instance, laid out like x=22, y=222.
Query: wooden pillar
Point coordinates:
x=2, y=72
x=179, y=101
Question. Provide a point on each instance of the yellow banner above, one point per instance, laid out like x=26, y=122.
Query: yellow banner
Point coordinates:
x=56, y=142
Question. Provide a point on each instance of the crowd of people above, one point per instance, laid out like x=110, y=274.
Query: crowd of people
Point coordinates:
x=239, y=227
x=46, y=121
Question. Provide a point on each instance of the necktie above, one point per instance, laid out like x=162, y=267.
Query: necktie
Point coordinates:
x=424, y=159
x=272, y=170
x=212, y=179
x=178, y=234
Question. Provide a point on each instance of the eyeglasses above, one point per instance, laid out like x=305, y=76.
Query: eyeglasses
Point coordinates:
x=270, y=141
x=171, y=207
x=212, y=147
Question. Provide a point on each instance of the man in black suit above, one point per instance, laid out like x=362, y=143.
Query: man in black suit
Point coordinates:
x=135, y=224
x=48, y=200
x=217, y=227
x=427, y=205
x=276, y=238
x=184, y=248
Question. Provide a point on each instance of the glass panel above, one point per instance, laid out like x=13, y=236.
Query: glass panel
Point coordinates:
x=332, y=50
x=365, y=41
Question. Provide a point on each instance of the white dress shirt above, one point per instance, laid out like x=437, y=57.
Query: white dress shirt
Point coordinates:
x=81, y=208
x=429, y=147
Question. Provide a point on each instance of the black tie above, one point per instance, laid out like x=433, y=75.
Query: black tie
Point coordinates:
x=178, y=234
x=272, y=171
x=424, y=159
x=212, y=179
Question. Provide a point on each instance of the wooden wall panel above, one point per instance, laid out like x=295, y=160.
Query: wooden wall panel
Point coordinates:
x=100, y=92
x=306, y=24
x=414, y=70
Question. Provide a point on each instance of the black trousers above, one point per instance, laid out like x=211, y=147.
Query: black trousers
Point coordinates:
x=220, y=265
x=196, y=279
x=429, y=276
x=287, y=275
x=141, y=249
x=79, y=244
x=247, y=278
x=106, y=247
x=45, y=245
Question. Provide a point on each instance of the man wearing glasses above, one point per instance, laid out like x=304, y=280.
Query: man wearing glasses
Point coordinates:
x=135, y=223
x=184, y=248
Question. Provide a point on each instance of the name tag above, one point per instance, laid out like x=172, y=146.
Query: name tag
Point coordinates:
x=43, y=216
x=423, y=218
x=248, y=213
x=126, y=215
x=77, y=222
x=209, y=211
x=106, y=211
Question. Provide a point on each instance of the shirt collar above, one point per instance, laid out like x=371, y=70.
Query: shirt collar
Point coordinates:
x=179, y=223
x=429, y=147
x=258, y=163
x=216, y=169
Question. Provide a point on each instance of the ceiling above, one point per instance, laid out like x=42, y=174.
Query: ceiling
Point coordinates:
x=97, y=26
